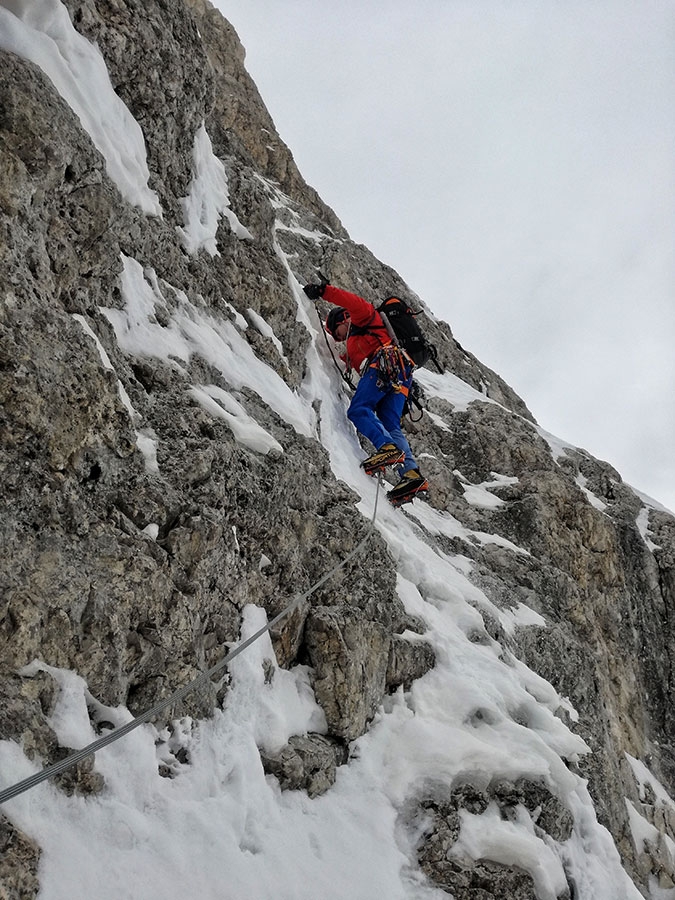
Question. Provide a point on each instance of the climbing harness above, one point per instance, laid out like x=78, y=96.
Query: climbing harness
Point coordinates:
x=390, y=360
x=119, y=732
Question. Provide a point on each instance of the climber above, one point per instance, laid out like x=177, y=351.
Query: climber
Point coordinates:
x=386, y=375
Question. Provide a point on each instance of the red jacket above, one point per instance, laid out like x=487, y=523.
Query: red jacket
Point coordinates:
x=362, y=313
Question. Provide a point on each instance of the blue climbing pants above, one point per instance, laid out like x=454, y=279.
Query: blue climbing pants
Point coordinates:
x=376, y=413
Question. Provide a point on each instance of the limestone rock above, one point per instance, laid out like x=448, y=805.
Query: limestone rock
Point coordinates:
x=307, y=762
x=467, y=878
x=19, y=858
x=408, y=660
x=349, y=655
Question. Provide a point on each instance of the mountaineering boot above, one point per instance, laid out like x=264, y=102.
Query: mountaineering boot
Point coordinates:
x=411, y=484
x=387, y=455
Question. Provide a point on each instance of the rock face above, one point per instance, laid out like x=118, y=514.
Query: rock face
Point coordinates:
x=137, y=524
x=441, y=856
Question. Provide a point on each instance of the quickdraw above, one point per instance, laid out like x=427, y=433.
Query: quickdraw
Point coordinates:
x=415, y=398
x=393, y=368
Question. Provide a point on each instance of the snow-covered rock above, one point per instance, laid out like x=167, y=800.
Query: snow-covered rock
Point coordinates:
x=478, y=699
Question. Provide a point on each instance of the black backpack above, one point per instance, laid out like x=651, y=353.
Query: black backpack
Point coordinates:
x=408, y=333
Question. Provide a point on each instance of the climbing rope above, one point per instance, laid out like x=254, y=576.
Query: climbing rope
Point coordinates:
x=119, y=732
x=345, y=376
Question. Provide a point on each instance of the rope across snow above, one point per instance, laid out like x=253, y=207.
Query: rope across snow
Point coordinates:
x=57, y=768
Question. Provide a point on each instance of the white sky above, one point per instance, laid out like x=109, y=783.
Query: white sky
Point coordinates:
x=514, y=163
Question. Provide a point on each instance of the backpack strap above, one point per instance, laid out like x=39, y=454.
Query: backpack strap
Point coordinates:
x=369, y=328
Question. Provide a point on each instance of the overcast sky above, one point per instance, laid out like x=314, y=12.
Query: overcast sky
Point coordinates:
x=514, y=162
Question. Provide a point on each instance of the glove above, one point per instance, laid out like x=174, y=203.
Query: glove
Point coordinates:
x=314, y=291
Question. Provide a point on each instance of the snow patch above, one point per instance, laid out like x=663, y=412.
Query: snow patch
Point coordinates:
x=208, y=200
x=512, y=843
x=521, y=616
x=642, y=523
x=557, y=446
x=479, y=494
x=190, y=331
x=277, y=703
x=146, y=441
x=438, y=422
x=644, y=779
x=43, y=33
x=266, y=330
x=107, y=364
x=591, y=497
x=145, y=438
x=246, y=430
x=450, y=388
x=437, y=522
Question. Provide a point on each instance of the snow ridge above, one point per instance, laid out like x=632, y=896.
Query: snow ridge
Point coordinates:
x=43, y=33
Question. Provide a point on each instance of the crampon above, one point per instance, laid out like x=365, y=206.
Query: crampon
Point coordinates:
x=388, y=455
x=412, y=484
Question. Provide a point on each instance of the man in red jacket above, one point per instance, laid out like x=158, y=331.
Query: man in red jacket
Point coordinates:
x=386, y=375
